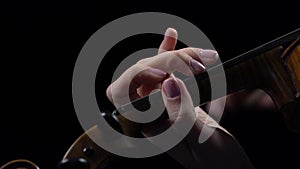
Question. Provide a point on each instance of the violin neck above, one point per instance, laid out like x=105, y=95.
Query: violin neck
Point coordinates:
x=264, y=71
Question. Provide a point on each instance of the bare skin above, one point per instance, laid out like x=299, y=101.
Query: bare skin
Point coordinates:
x=221, y=150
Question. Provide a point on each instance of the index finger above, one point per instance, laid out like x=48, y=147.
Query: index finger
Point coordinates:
x=169, y=41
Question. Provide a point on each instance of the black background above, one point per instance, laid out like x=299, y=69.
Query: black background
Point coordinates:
x=40, y=44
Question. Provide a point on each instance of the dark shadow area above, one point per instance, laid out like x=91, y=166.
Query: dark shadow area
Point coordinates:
x=40, y=44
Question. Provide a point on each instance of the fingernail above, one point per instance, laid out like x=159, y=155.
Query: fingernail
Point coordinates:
x=209, y=54
x=158, y=72
x=171, y=32
x=197, y=66
x=171, y=88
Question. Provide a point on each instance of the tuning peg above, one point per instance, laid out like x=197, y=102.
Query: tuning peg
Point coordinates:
x=73, y=163
x=112, y=120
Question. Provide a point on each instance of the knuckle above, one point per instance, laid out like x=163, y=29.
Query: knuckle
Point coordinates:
x=144, y=61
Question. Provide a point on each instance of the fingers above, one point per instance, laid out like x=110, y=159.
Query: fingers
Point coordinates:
x=206, y=56
x=124, y=89
x=188, y=61
x=147, y=75
x=146, y=81
x=169, y=41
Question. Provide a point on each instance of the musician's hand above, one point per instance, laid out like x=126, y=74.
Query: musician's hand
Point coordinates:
x=147, y=74
x=221, y=150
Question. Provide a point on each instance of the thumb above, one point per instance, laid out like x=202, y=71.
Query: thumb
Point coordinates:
x=179, y=106
x=177, y=99
x=172, y=97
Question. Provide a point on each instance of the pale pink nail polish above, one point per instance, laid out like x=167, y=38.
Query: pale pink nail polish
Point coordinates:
x=158, y=72
x=197, y=66
x=207, y=53
x=171, y=88
x=171, y=32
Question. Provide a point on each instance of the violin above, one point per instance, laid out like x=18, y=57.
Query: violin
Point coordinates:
x=273, y=67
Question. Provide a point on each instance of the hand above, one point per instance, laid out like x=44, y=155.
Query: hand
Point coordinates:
x=221, y=150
